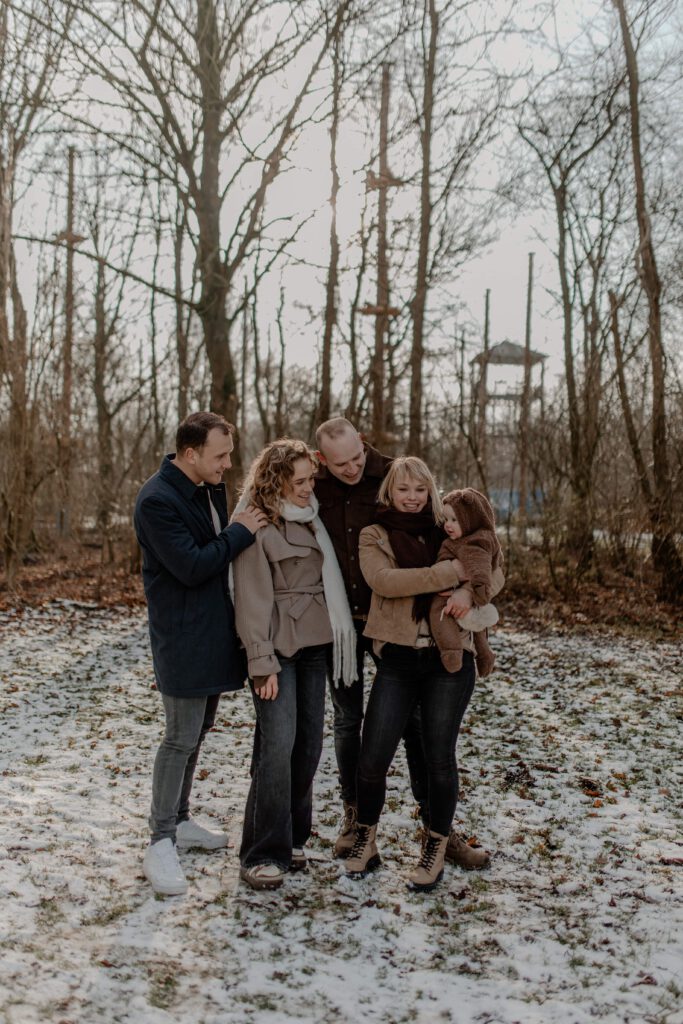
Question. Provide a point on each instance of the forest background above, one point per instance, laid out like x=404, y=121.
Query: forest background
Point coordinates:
x=282, y=211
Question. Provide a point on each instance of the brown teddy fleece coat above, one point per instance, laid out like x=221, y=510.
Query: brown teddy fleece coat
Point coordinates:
x=479, y=551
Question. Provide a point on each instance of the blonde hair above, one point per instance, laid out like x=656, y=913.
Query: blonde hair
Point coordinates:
x=271, y=470
x=416, y=469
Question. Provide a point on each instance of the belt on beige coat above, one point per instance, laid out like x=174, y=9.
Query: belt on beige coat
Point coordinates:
x=304, y=597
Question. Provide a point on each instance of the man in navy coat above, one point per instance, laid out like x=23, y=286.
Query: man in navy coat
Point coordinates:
x=181, y=522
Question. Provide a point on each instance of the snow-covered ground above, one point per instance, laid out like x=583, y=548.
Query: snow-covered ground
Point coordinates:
x=571, y=768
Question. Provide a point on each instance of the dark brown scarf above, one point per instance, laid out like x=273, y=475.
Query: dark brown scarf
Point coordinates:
x=415, y=540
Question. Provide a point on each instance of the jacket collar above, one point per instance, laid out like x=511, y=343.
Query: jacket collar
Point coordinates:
x=375, y=467
x=375, y=463
x=169, y=472
x=299, y=535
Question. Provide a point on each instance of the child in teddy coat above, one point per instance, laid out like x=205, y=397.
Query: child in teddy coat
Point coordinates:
x=471, y=537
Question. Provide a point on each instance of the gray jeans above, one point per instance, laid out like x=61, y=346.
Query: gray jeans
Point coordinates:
x=188, y=719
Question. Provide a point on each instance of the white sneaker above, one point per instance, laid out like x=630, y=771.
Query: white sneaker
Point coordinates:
x=162, y=869
x=190, y=833
x=478, y=619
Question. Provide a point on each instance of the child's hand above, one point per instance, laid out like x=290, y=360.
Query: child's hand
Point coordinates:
x=458, y=604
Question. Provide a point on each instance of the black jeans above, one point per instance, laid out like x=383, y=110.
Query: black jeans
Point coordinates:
x=406, y=679
x=347, y=702
x=287, y=745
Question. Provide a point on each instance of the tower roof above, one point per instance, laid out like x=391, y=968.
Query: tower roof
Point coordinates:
x=508, y=353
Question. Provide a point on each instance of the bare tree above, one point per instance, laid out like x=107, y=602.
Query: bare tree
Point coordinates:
x=665, y=555
x=32, y=41
x=332, y=284
x=193, y=80
x=565, y=132
x=456, y=108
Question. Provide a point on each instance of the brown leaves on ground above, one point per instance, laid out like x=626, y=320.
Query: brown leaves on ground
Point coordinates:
x=620, y=603
x=77, y=575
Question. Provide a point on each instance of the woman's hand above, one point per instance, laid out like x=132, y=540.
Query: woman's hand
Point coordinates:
x=458, y=604
x=269, y=689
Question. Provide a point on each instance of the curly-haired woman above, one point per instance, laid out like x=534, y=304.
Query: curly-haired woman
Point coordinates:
x=290, y=603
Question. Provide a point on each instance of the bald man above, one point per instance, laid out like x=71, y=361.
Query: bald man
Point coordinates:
x=346, y=486
x=347, y=483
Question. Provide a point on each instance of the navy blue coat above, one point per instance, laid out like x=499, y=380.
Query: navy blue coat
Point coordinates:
x=195, y=648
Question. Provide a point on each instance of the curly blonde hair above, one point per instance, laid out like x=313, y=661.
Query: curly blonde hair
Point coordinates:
x=271, y=470
x=414, y=468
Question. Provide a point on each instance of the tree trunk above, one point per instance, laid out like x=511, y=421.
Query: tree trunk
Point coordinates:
x=419, y=302
x=181, y=334
x=105, y=448
x=325, y=401
x=524, y=411
x=665, y=555
x=64, y=445
x=381, y=318
x=215, y=282
x=580, y=523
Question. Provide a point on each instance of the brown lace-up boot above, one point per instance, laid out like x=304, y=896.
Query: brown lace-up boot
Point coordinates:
x=347, y=832
x=364, y=855
x=465, y=856
x=429, y=870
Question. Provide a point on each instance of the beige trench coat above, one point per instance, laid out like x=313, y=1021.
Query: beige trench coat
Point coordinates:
x=279, y=601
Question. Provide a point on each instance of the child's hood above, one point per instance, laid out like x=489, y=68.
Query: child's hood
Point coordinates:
x=472, y=509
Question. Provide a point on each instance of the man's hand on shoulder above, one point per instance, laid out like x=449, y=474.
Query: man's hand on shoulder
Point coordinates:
x=253, y=518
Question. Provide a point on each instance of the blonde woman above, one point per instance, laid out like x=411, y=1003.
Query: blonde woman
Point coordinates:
x=290, y=604
x=398, y=558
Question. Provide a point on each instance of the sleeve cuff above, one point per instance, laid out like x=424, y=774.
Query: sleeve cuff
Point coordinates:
x=262, y=659
x=265, y=666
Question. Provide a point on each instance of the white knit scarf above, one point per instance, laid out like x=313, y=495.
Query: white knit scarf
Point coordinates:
x=344, y=665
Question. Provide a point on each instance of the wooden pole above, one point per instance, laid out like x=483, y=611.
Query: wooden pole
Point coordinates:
x=482, y=389
x=64, y=458
x=243, y=364
x=381, y=319
x=524, y=412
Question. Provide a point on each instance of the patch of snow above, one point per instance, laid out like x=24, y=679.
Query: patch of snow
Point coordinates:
x=570, y=773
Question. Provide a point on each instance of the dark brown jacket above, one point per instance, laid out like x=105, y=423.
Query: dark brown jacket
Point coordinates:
x=346, y=510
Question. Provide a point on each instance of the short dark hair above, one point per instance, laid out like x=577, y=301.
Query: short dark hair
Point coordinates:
x=194, y=430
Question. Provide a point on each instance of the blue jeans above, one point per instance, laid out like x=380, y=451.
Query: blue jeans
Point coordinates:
x=406, y=679
x=288, y=741
x=188, y=719
x=347, y=702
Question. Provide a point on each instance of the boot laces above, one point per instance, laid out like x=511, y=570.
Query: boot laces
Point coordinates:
x=362, y=833
x=429, y=851
x=349, y=819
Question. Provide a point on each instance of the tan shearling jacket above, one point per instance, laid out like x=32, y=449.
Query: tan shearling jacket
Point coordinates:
x=391, y=619
x=279, y=601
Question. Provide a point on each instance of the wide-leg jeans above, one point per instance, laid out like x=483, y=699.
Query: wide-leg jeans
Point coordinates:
x=408, y=678
x=288, y=743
